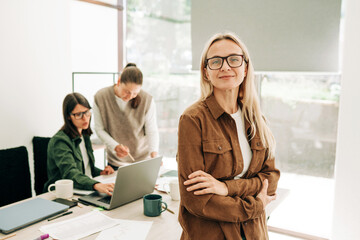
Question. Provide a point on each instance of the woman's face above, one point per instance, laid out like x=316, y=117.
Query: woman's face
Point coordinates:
x=127, y=91
x=80, y=117
x=225, y=78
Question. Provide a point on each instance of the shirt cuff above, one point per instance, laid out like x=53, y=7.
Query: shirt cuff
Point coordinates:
x=232, y=186
x=258, y=209
x=112, y=146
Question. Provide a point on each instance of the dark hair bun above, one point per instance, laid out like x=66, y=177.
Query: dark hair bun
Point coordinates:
x=130, y=65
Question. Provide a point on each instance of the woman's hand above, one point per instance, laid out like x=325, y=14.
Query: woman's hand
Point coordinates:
x=153, y=154
x=107, y=188
x=203, y=183
x=107, y=170
x=266, y=199
x=121, y=150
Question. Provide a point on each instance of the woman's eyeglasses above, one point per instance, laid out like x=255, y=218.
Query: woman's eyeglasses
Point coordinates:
x=80, y=115
x=233, y=61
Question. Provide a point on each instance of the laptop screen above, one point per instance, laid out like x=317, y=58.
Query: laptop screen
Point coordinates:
x=132, y=182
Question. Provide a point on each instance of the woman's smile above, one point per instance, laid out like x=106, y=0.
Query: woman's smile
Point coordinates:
x=226, y=77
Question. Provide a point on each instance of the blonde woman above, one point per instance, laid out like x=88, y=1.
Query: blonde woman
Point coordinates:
x=226, y=150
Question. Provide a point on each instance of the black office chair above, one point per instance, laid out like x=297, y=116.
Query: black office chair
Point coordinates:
x=40, y=145
x=15, y=180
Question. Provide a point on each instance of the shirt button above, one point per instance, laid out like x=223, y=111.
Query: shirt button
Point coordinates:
x=258, y=144
x=245, y=223
x=219, y=147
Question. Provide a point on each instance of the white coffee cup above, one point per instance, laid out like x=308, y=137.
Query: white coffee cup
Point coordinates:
x=172, y=188
x=64, y=188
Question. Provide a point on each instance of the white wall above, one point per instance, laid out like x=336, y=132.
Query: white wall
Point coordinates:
x=346, y=217
x=35, y=69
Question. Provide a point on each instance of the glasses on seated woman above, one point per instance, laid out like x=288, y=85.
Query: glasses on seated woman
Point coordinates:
x=80, y=115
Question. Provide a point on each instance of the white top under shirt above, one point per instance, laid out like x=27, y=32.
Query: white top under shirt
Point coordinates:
x=244, y=144
x=152, y=132
x=85, y=158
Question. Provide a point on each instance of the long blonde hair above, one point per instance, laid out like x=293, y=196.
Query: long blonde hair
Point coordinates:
x=247, y=93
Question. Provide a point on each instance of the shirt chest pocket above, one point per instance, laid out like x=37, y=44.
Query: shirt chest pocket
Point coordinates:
x=218, y=158
x=258, y=157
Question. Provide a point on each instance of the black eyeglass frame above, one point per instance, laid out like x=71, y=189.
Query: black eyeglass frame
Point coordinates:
x=80, y=115
x=226, y=58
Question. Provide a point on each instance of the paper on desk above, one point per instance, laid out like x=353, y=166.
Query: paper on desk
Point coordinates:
x=79, y=227
x=106, y=178
x=81, y=192
x=126, y=230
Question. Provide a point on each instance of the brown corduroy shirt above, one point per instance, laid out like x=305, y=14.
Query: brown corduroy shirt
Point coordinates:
x=208, y=141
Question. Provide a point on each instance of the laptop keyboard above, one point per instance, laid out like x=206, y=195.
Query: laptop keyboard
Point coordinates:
x=106, y=199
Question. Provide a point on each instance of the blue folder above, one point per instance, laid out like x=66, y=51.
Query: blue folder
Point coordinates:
x=28, y=212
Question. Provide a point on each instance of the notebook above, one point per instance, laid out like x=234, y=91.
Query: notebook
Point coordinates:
x=25, y=213
x=132, y=182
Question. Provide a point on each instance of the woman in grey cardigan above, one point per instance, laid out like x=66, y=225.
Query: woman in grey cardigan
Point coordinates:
x=125, y=119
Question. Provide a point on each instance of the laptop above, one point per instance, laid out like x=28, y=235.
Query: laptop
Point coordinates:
x=25, y=213
x=132, y=182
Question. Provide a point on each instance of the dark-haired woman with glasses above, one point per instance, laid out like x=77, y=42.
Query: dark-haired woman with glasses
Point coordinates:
x=70, y=153
x=226, y=150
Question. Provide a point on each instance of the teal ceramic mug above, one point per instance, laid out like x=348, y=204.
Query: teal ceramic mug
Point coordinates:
x=153, y=205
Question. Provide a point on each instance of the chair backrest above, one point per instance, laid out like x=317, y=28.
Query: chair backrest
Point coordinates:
x=40, y=145
x=15, y=180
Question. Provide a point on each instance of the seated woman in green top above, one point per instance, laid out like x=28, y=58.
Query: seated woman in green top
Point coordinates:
x=70, y=153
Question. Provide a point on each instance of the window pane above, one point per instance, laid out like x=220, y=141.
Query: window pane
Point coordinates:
x=158, y=35
x=158, y=41
x=302, y=110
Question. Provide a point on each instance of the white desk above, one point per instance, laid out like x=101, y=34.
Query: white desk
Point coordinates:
x=165, y=226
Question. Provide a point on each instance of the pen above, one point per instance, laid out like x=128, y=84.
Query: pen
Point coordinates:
x=42, y=237
x=132, y=158
x=64, y=214
x=8, y=236
x=170, y=210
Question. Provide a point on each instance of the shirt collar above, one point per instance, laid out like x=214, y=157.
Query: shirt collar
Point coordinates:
x=77, y=140
x=216, y=110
